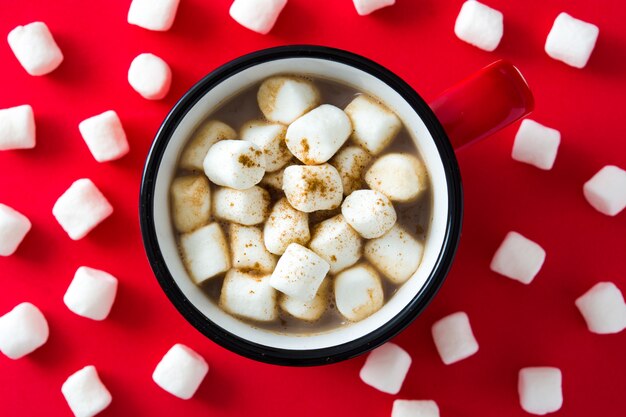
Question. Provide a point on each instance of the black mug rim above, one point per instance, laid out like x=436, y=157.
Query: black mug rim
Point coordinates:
x=330, y=354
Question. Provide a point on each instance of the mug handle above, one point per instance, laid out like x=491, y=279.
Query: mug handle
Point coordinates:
x=483, y=103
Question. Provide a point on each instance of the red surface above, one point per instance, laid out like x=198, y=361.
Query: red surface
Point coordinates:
x=516, y=325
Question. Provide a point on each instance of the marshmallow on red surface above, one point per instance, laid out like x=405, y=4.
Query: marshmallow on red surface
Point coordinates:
x=150, y=76
x=539, y=389
x=181, y=371
x=313, y=188
x=35, y=48
x=270, y=138
x=479, y=25
x=454, y=338
x=283, y=99
x=236, y=164
x=536, y=144
x=571, y=40
x=285, y=225
x=91, y=293
x=299, y=272
x=257, y=15
x=518, y=258
x=386, y=367
x=247, y=207
x=374, y=125
x=104, y=136
x=191, y=202
x=396, y=254
x=606, y=190
x=205, y=136
x=358, y=292
x=369, y=212
x=337, y=242
x=157, y=15
x=603, y=308
x=249, y=295
x=13, y=228
x=401, y=177
x=365, y=7
x=205, y=252
x=17, y=128
x=414, y=408
x=85, y=393
x=350, y=163
x=22, y=330
x=81, y=208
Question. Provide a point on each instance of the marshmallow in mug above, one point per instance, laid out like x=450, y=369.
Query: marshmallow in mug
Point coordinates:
x=285, y=225
x=237, y=164
x=299, y=272
x=247, y=207
x=369, y=212
x=283, y=99
x=396, y=254
x=399, y=176
x=337, y=242
x=205, y=136
x=270, y=138
x=374, y=125
x=313, y=188
x=307, y=310
x=190, y=202
x=358, y=292
x=249, y=295
x=350, y=162
x=205, y=252
x=248, y=250
x=17, y=128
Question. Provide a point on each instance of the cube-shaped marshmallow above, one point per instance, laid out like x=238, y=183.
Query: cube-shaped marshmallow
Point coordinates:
x=536, y=144
x=401, y=177
x=337, y=242
x=365, y=7
x=414, y=408
x=316, y=136
x=22, y=330
x=248, y=249
x=479, y=25
x=539, y=389
x=85, y=393
x=270, y=138
x=249, y=295
x=17, y=128
x=285, y=225
x=104, y=136
x=257, y=15
x=518, y=258
x=571, y=40
x=191, y=202
x=247, y=207
x=313, y=188
x=299, y=272
x=396, y=254
x=205, y=136
x=369, y=212
x=35, y=48
x=237, y=164
x=307, y=310
x=350, y=162
x=205, y=252
x=374, y=125
x=150, y=76
x=13, y=228
x=81, y=208
x=603, y=308
x=274, y=180
x=155, y=15
x=283, y=99
x=91, y=293
x=606, y=191
x=386, y=367
x=454, y=338
x=181, y=371
x=358, y=292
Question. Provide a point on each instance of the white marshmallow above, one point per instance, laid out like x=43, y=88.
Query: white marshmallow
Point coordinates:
x=312, y=188
x=285, y=225
x=414, y=408
x=248, y=249
x=396, y=254
x=249, y=296
x=518, y=258
x=307, y=310
x=270, y=138
x=85, y=393
x=365, y=7
x=17, y=128
x=606, y=190
x=401, y=177
x=191, y=202
x=91, y=293
x=274, y=180
x=181, y=371
x=35, y=48
x=205, y=252
x=337, y=243
x=237, y=164
x=375, y=126
x=350, y=163
x=386, y=367
x=536, y=144
x=247, y=207
x=22, y=330
x=571, y=40
x=257, y=15
x=603, y=308
x=369, y=212
x=539, y=389
x=299, y=273
x=205, y=136
x=315, y=137
x=358, y=292
x=150, y=76
x=104, y=136
x=81, y=208
x=155, y=15
x=283, y=99
x=13, y=228
x=479, y=25
x=454, y=338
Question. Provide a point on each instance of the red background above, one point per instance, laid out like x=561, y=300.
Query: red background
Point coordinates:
x=515, y=325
